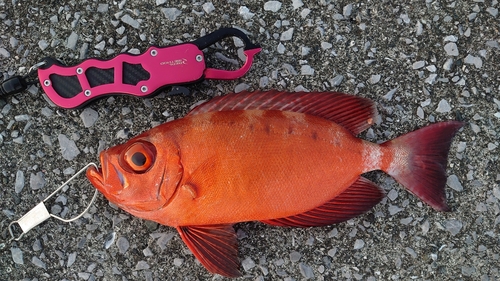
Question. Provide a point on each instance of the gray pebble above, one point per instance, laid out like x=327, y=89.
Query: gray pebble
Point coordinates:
x=164, y=239
x=297, y=4
x=295, y=256
x=393, y=194
x=418, y=64
x=306, y=70
x=245, y=13
x=122, y=244
x=411, y=252
x=476, y=61
x=171, y=13
x=306, y=271
x=72, y=40
x=37, y=262
x=37, y=181
x=272, y=6
x=4, y=53
x=69, y=150
x=71, y=259
x=109, y=240
x=208, y=7
x=43, y=44
x=287, y=35
x=374, y=79
x=394, y=210
x=37, y=245
x=247, y=264
x=358, y=244
x=147, y=252
x=454, y=183
x=130, y=21
x=347, y=10
x=103, y=8
x=451, y=49
x=241, y=87
x=17, y=255
x=89, y=116
x=141, y=265
x=443, y=106
x=178, y=261
x=468, y=270
x=492, y=11
x=19, y=184
x=453, y=226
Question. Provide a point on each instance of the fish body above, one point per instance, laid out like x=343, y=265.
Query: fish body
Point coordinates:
x=286, y=159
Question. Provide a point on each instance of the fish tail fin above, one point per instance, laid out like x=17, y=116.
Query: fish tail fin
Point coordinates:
x=419, y=161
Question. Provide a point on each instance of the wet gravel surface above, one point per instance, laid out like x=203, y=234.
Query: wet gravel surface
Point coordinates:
x=421, y=61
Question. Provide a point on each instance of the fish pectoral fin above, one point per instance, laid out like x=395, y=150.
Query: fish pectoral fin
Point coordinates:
x=357, y=199
x=215, y=246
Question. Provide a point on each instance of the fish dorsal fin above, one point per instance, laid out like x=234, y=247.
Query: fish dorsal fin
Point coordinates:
x=354, y=201
x=354, y=113
x=215, y=246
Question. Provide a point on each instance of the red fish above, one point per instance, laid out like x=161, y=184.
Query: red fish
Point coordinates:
x=286, y=159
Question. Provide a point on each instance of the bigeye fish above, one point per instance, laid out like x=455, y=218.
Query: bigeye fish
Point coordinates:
x=284, y=159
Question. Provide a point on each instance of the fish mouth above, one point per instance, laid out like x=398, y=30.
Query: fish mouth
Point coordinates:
x=96, y=177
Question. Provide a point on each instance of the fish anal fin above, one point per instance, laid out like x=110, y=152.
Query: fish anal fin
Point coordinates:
x=215, y=246
x=354, y=201
x=354, y=113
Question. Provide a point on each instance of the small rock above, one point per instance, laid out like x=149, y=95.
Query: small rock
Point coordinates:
x=454, y=183
x=130, y=21
x=178, y=262
x=247, y=264
x=103, y=8
x=89, y=117
x=295, y=256
x=37, y=181
x=358, y=244
x=287, y=35
x=476, y=61
x=71, y=259
x=394, y=210
x=306, y=70
x=208, y=7
x=411, y=252
x=374, y=79
x=241, y=87
x=37, y=262
x=453, y=226
x=297, y=4
x=43, y=44
x=171, y=13
x=109, y=240
x=122, y=244
x=19, y=184
x=451, y=49
x=164, y=239
x=6, y=54
x=69, y=150
x=17, y=255
x=336, y=81
x=418, y=64
x=141, y=265
x=245, y=13
x=72, y=40
x=272, y=6
x=443, y=106
x=393, y=194
x=306, y=271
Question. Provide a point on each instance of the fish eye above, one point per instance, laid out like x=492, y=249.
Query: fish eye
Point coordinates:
x=139, y=156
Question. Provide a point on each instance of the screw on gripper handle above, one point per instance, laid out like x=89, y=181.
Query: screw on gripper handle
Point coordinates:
x=13, y=85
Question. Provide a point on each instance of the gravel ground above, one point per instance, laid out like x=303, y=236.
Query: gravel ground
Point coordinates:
x=421, y=61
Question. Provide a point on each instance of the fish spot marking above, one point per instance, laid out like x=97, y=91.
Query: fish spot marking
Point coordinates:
x=372, y=157
x=314, y=135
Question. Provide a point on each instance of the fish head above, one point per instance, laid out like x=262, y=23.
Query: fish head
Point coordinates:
x=139, y=176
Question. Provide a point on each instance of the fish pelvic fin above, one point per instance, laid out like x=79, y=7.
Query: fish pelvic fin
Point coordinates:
x=215, y=246
x=420, y=159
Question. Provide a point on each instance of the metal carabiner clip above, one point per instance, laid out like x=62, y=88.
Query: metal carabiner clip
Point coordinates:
x=39, y=213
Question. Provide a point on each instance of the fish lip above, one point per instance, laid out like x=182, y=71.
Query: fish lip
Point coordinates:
x=96, y=176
